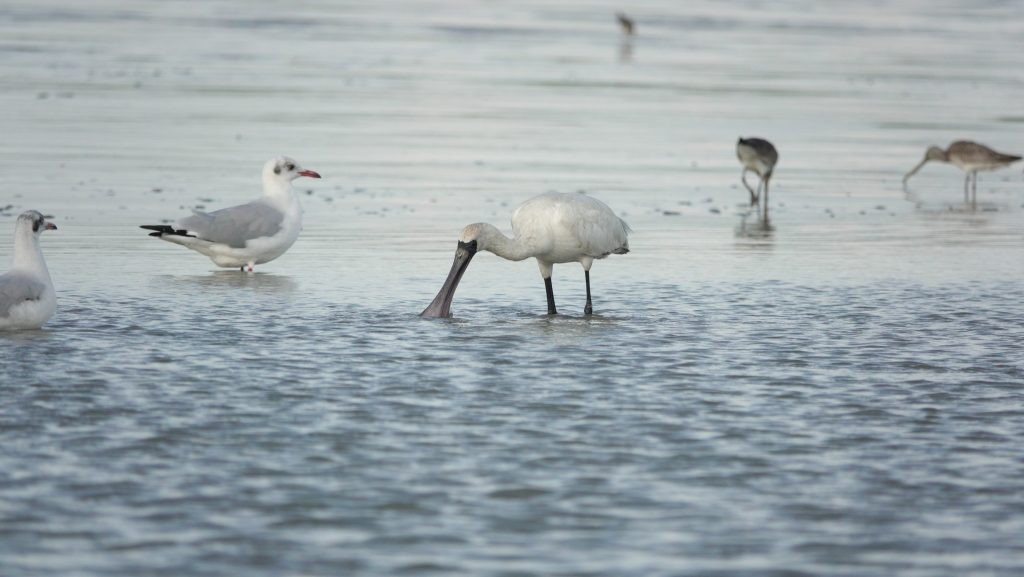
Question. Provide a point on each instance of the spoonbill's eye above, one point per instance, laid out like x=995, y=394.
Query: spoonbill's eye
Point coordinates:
x=289, y=167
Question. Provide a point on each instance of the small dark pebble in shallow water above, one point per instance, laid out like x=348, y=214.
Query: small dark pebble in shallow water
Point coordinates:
x=309, y=191
x=156, y=190
x=880, y=207
x=43, y=95
x=685, y=203
x=714, y=210
x=670, y=212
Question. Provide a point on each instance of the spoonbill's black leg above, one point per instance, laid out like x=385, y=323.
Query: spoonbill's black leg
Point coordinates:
x=589, y=309
x=551, y=296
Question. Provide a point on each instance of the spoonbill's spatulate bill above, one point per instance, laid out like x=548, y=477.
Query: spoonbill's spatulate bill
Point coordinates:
x=969, y=157
x=757, y=155
x=553, y=228
x=247, y=234
x=27, y=299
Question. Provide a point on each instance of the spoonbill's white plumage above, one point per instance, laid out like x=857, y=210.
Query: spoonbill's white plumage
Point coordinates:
x=247, y=234
x=969, y=157
x=27, y=298
x=553, y=228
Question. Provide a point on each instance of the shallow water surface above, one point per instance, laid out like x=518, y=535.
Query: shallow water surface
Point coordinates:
x=838, y=393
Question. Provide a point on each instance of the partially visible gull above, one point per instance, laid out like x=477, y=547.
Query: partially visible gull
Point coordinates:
x=27, y=299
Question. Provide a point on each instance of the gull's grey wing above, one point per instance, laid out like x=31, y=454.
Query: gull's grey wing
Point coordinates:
x=17, y=288
x=236, y=225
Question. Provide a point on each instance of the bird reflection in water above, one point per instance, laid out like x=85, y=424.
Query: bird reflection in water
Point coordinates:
x=259, y=281
x=758, y=229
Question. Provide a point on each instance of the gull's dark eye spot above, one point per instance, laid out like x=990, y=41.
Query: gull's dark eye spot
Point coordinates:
x=36, y=224
x=277, y=169
x=289, y=167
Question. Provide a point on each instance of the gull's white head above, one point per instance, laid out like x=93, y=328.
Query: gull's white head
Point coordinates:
x=284, y=169
x=34, y=221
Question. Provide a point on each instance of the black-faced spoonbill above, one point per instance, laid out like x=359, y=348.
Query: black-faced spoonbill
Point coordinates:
x=247, y=234
x=553, y=228
x=760, y=156
x=27, y=299
x=970, y=157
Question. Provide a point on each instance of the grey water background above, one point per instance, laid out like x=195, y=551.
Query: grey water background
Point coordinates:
x=840, y=395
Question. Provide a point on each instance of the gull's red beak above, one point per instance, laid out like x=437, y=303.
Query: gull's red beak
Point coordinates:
x=50, y=226
x=309, y=173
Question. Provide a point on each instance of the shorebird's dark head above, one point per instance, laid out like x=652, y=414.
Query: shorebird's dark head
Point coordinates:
x=628, y=27
x=935, y=153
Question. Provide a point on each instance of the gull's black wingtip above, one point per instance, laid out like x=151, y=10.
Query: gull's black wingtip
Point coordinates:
x=162, y=229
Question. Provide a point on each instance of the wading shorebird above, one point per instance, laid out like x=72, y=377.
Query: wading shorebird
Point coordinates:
x=969, y=157
x=248, y=234
x=626, y=23
x=27, y=299
x=760, y=156
x=553, y=228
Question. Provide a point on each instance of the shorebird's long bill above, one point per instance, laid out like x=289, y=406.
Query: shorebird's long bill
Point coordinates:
x=916, y=168
x=441, y=306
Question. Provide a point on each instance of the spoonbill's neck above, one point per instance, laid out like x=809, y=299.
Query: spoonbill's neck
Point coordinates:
x=507, y=248
x=28, y=256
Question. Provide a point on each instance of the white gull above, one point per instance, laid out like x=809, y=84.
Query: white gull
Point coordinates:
x=27, y=299
x=248, y=234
